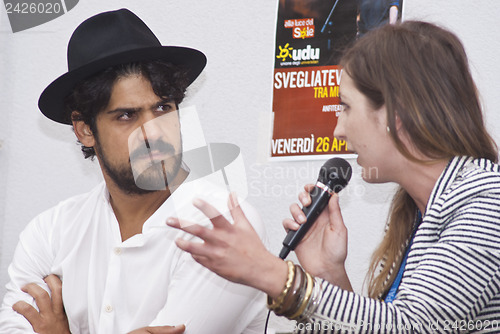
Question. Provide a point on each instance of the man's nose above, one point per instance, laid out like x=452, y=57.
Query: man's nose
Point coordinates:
x=148, y=131
x=151, y=127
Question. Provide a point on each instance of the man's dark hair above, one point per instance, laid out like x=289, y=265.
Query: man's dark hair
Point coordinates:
x=92, y=95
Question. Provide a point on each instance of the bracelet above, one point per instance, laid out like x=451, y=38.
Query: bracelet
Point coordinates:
x=293, y=308
x=305, y=300
x=293, y=296
x=313, y=303
x=276, y=304
x=300, y=295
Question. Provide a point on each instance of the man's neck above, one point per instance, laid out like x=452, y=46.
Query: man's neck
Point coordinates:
x=132, y=210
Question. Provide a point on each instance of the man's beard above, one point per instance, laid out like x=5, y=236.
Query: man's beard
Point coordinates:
x=154, y=178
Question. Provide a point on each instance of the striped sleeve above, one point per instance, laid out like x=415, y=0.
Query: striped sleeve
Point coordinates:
x=452, y=278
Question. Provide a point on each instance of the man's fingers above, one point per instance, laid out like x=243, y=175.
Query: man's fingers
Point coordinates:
x=55, y=286
x=41, y=296
x=236, y=211
x=174, y=222
x=167, y=329
x=199, y=231
x=194, y=248
x=179, y=329
x=28, y=311
x=50, y=316
x=218, y=220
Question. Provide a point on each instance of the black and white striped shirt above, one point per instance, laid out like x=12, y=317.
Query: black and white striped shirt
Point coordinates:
x=451, y=283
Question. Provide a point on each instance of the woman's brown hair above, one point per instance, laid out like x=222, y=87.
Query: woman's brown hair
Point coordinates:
x=420, y=72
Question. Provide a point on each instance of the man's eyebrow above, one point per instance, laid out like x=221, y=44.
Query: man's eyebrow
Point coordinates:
x=122, y=110
x=138, y=109
x=163, y=102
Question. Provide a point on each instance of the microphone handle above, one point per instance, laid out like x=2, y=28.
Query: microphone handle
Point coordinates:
x=319, y=199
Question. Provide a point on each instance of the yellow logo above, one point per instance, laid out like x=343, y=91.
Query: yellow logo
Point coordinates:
x=284, y=52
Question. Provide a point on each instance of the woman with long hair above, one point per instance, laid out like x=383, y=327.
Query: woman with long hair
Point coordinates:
x=411, y=112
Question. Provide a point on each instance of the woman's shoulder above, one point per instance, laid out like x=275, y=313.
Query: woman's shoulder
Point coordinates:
x=477, y=176
x=467, y=180
x=476, y=184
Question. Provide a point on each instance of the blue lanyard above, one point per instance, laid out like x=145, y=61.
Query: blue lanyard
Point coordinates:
x=391, y=295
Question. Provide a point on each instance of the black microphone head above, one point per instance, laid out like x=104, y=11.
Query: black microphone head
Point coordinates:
x=335, y=172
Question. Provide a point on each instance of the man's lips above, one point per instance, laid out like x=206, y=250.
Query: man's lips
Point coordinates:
x=157, y=150
x=153, y=156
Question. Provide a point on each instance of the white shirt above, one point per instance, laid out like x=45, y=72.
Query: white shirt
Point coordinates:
x=110, y=286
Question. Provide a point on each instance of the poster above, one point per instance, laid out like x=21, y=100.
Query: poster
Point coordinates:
x=310, y=38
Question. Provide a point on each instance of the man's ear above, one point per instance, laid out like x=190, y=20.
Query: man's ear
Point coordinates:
x=82, y=130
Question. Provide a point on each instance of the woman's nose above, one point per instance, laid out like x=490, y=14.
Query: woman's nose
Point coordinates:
x=339, y=131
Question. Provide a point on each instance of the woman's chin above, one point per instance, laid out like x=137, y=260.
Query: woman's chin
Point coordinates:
x=370, y=174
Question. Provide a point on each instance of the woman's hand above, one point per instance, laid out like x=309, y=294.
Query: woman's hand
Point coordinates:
x=323, y=250
x=233, y=251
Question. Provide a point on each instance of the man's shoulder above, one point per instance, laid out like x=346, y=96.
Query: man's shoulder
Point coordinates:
x=67, y=219
x=71, y=206
x=217, y=196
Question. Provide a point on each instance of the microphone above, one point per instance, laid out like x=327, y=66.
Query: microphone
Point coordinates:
x=333, y=177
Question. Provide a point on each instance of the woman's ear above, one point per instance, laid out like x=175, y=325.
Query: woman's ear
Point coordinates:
x=397, y=123
x=82, y=130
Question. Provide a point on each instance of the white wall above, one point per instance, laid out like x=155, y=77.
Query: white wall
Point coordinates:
x=40, y=163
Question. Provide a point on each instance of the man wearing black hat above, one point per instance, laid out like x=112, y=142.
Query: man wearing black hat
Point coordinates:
x=119, y=266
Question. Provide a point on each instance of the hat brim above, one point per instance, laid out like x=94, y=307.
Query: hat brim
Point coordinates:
x=51, y=102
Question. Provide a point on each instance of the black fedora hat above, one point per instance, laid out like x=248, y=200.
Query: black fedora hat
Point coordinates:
x=109, y=39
